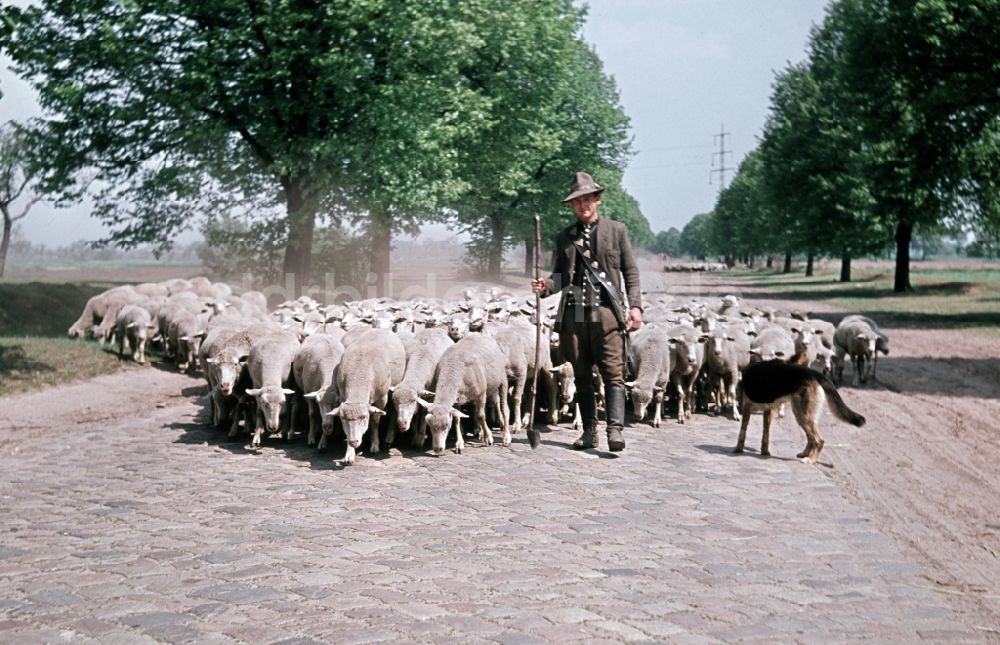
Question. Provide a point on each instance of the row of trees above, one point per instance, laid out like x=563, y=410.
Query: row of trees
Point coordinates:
x=370, y=115
x=890, y=128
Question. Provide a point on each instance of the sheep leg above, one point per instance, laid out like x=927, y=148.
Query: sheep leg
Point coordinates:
x=485, y=435
x=420, y=436
x=550, y=386
x=503, y=421
x=732, y=399
x=577, y=422
x=349, y=456
x=390, y=434
x=459, y=439
x=312, y=409
x=681, y=398
x=373, y=447
x=258, y=429
x=658, y=410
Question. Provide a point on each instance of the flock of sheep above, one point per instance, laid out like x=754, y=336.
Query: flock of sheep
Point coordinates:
x=425, y=365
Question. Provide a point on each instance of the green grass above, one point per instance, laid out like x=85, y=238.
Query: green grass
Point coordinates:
x=942, y=298
x=42, y=309
x=32, y=363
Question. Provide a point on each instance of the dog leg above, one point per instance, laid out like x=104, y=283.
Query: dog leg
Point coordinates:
x=765, y=438
x=743, y=429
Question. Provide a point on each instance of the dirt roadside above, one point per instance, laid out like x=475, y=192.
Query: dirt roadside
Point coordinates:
x=924, y=467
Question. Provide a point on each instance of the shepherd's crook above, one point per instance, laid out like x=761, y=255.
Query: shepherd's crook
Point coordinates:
x=533, y=436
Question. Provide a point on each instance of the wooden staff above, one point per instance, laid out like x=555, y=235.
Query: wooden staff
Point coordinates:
x=533, y=435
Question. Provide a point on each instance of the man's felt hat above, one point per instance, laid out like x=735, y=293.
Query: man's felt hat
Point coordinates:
x=583, y=184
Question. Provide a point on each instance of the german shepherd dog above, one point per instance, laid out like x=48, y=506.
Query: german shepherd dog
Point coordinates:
x=769, y=384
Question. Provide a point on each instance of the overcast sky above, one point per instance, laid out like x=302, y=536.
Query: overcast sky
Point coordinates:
x=684, y=69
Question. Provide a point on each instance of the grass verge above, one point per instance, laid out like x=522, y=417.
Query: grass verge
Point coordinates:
x=32, y=363
x=941, y=299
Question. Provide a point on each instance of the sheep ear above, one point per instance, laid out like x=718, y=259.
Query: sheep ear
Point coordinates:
x=673, y=341
x=392, y=388
x=210, y=360
x=373, y=410
x=755, y=352
x=426, y=394
x=334, y=412
x=130, y=325
x=424, y=404
x=255, y=391
x=554, y=370
x=704, y=338
x=459, y=414
x=657, y=388
x=318, y=394
x=287, y=391
x=780, y=354
x=630, y=384
x=184, y=338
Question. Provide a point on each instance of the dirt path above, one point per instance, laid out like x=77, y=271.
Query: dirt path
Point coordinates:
x=924, y=467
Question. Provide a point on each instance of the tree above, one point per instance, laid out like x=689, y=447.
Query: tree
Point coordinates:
x=922, y=76
x=667, y=242
x=694, y=237
x=299, y=104
x=16, y=177
x=555, y=112
x=813, y=167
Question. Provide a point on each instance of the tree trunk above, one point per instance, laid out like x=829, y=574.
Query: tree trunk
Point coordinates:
x=788, y=262
x=904, y=233
x=750, y=262
x=529, y=258
x=494, y=262
x=770, y=262
x=845, y=267
x=297, y=265
x=380, y=231
x=8, y=225
x=809, y=264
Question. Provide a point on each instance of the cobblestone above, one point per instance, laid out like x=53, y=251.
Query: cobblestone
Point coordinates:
x=160, y=530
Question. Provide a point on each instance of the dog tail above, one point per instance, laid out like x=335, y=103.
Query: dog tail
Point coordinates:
x=837, y=405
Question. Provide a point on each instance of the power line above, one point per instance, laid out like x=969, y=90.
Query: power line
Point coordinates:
x=721, y=154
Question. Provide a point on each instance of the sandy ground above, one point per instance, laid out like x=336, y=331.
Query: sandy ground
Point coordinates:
x=923, y=469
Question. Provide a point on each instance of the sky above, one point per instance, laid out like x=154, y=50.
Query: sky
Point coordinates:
x=685, y=69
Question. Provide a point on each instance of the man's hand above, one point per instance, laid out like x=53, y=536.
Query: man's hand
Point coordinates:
x=538, y=286
x=634, y=319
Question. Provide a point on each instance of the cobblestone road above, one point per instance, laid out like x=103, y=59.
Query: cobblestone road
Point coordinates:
x=159, y=530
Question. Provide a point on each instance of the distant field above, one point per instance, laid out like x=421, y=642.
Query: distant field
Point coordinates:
x=945, y=295
x=108, y=273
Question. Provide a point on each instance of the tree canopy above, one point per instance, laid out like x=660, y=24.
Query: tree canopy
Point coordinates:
x=382, y=112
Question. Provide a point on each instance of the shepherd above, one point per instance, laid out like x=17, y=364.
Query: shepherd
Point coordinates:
x=592, y=258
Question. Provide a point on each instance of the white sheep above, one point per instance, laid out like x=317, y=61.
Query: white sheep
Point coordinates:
x=269, y=364
x=314, y=369
x=423, y=352
x=856, y=339
x=727, y=352
x=371, y=365
x=134, y=327
x=686, y=362
x=471, y=371
x=652, y=351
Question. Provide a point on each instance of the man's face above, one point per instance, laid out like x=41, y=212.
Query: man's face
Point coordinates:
x=585, y=207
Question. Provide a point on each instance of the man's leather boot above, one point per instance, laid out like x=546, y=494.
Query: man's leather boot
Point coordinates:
x=614, y=401
x=588, y=413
